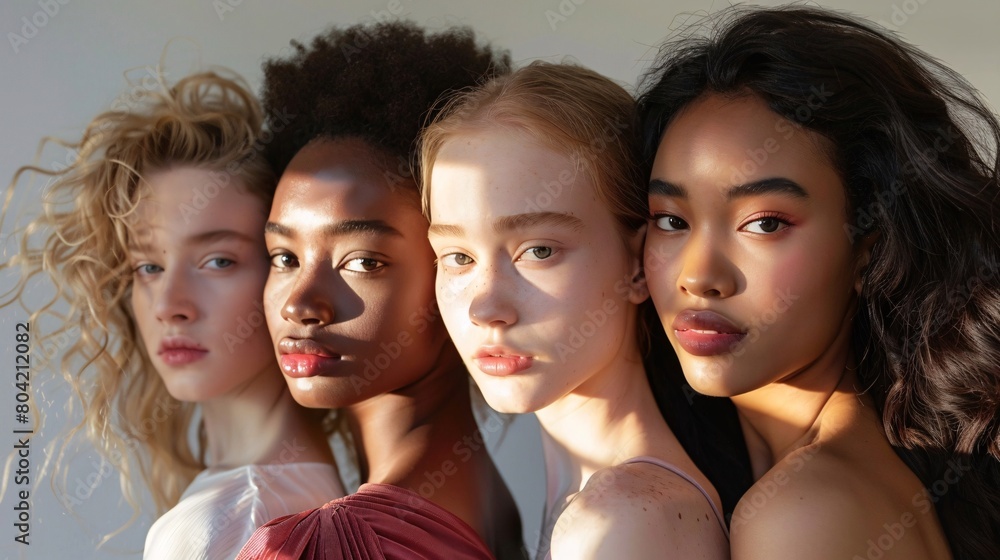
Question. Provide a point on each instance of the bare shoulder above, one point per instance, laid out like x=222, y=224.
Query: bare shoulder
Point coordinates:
x=818, y=503
x=638, y=511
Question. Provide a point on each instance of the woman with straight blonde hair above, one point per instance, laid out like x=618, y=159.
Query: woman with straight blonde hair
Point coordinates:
x=154, y=239
x=534, y=194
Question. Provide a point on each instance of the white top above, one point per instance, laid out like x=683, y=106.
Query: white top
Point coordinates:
x=221, y=509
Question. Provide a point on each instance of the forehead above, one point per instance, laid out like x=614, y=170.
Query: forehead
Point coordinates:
x=343, y=177
x=500, y=172
x=186, y=201
x=735, y=139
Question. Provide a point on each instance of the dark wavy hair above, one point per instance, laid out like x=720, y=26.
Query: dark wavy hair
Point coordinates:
x=916, y=148
x=376, y=82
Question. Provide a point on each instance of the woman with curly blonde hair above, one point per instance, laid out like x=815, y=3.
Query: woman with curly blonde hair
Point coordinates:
x=154, y=237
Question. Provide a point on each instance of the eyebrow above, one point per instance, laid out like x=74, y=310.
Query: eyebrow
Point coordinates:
x=203, y=238
x=774, y=185
x=341, y=228
x=505, y=224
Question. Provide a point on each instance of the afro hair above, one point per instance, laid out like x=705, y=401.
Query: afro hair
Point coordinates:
x=378, y=82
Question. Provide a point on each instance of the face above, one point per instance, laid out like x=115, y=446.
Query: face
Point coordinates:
x=747, y=256
x=198, y=278
x=535, y=283
x=350, y=298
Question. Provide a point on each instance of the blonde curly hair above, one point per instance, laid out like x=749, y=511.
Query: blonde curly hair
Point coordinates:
x=209, y=120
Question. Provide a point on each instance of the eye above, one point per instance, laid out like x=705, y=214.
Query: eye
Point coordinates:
x=220, y=262
x=284, y=260
x=667, y=222
x=363, y=264
x=456, y=260
x=766, y=225
x=145, y=269
x=537, y=254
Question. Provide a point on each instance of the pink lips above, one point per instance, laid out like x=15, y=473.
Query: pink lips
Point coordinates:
x=304, y=357
x=706, y=333
x=180, y=350
x=500, y=361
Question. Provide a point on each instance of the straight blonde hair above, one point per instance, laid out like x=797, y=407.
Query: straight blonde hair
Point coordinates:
x=566, y=107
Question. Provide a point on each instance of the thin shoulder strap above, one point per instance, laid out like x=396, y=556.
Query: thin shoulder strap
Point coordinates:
x=687, y=477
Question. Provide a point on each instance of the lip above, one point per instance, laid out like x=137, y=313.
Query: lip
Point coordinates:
x=501, y=361
x=706, y=333
x=305, y=357
x=180, y=350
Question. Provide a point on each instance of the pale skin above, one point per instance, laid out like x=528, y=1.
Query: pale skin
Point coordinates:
x=200, y=275
x=748, y=222
x=517, y=274
x=352, y=272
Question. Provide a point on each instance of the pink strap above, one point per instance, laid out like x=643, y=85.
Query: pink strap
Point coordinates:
x=687, y=477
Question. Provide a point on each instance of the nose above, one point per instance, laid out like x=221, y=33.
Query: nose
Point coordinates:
x=493, y=300
x=706, y=272
x=173, y=303
x=308, y=302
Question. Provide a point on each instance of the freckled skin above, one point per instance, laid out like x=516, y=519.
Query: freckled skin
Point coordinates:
x=561, y=286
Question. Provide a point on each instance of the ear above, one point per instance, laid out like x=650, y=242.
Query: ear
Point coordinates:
x=638, y=291
x=863, y=255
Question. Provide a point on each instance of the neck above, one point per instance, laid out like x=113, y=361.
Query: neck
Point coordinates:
x=610, y=418
x=401, y=434
x=786, y=415
x=260, y=423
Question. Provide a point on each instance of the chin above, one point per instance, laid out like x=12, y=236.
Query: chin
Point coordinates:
x=189, y=394
x=503, y=397
x=316, y=392
x=711, y=381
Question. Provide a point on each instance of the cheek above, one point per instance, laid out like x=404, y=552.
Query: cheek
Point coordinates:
x=141, y=307
x=453, y=300
x=802, y=295
x=241, y=310
x=660, y=265
x=402, y=308
x=275, y=294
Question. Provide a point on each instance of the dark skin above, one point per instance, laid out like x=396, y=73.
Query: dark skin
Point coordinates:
x=351, y=308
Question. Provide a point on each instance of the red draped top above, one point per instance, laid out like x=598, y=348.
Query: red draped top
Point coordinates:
x=379, y=521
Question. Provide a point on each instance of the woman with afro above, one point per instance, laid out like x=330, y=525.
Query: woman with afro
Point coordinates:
x=350, y=299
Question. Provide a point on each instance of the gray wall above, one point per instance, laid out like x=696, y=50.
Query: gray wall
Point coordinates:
x=69, y=66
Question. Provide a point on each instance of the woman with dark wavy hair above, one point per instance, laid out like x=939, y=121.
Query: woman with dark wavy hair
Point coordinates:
x=823, y=248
